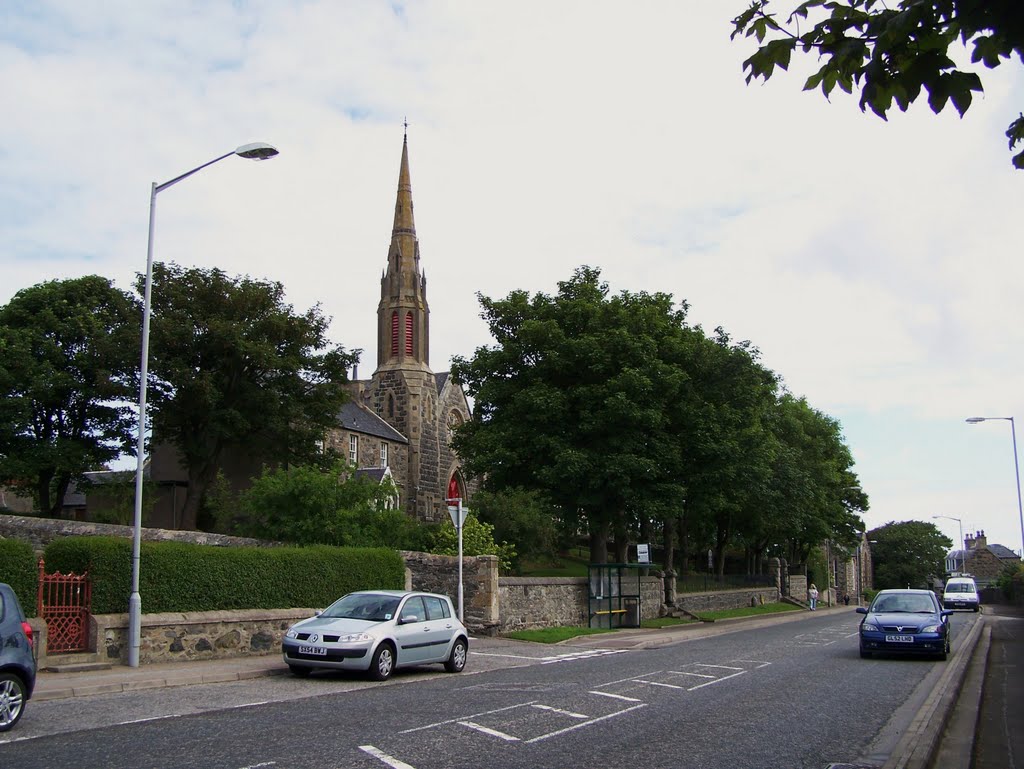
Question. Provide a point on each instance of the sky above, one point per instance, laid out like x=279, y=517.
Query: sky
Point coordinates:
x=876, y=265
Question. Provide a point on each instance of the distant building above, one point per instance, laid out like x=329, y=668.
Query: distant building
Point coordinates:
x=981, y=560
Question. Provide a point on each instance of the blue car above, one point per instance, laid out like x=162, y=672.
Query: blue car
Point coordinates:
x=17, y=662
x=905, y=622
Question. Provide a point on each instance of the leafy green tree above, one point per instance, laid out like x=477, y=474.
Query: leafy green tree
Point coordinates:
x=908, y=554
x=307, y=504
x=522, y=518
x=891, y=51
x=69, y=353
x=571, y=400
x=477, y=539
x=235, y=371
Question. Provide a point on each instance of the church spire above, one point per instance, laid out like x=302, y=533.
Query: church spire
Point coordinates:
x=403, y=339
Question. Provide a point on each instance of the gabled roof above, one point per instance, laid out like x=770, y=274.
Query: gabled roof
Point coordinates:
x=1001, y=552
x=376, y=473
x=359, y=419
x=441, y=379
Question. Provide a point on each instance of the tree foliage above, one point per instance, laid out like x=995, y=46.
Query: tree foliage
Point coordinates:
x=891, y=51
x=523, y=517
x=308, y=505
x=908, y=554
x=69, y=353
x=236, y=371
x=477, y=539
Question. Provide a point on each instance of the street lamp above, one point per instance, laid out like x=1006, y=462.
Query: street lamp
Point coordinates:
x=1016, y=466
x=963, y=555
x=255, y=151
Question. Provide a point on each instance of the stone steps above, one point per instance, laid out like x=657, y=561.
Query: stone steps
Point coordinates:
x=74, y=662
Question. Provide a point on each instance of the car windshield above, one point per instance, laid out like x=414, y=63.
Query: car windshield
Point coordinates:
x=911, y=604
x=366, y=606
x=959, y=587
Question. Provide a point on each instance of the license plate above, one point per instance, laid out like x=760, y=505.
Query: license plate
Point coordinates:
x=317, y=650
x=899, y=639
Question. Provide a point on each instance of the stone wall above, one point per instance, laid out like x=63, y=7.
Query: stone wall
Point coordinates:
x=195, y=635
x=42, y=531
x=538, y=602
x=726, y=599
x=440, y=574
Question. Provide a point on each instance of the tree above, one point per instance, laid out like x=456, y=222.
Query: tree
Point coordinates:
x=68, y=377
x=236, y=372
x=571, y=401
x=891, y=53
x=306, y=505
x=523, y=518
x=908, y=554
x=477, y=539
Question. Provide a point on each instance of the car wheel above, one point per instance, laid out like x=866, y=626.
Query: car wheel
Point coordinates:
x=12, y=700
x=383, y=663
x=300, y=671
x=865, y=655
x=457, y=659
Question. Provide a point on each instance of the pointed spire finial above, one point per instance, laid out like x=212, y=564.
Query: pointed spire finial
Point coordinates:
x=405, y=128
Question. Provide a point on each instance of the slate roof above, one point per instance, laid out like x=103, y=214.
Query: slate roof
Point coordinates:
x=441, y=379
x=376, y=473
x=361, y=420
x=1001, y=552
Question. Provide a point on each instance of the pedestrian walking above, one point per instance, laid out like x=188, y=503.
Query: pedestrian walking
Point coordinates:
x=812, y=594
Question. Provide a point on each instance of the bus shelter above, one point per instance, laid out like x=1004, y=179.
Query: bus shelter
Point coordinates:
x=613, y=594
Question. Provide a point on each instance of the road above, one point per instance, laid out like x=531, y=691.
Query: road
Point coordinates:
x=776, y=695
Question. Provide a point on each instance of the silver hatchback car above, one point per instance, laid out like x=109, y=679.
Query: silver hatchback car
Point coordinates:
x=378, y=631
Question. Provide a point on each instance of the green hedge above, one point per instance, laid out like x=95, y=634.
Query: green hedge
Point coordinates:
x=179, y=577
x=20, y=570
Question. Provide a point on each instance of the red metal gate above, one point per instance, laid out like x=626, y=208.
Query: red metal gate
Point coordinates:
x=65, y=601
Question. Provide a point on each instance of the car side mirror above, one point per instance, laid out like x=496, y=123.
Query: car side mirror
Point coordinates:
x=862, y=610
x=408, y=619
x=317, y=613
x=946, y=612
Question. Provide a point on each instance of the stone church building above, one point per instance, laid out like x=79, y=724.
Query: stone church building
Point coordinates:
x=400, y=419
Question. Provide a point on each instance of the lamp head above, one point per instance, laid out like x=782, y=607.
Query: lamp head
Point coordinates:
x=256, y=151
x=974, y=420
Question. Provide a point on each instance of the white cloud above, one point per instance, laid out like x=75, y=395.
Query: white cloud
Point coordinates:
x=875, y=264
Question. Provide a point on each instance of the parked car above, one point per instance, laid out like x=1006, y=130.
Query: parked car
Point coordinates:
x=905, y=622
x=961, y=593
x=378, y=631
x=17, y=663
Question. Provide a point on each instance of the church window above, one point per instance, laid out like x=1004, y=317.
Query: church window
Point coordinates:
x=453, y=488
x=394, y=333
x=353, y=449
x=383, y=454
x=408, y=333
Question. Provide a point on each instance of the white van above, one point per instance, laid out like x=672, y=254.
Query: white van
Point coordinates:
x=961, y=593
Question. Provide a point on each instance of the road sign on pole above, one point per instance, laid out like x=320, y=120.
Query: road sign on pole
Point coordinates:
x=458, y=516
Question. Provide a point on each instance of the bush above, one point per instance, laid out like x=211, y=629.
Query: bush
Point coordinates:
x=20, y=570
x=180, y=577
x=477, y=539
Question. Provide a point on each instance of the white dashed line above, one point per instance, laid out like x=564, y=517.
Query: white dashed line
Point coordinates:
x=560, y=711
x=383, y=757
x=588, y=723
x=486, y=730
x=615, y=696
x=655, y=683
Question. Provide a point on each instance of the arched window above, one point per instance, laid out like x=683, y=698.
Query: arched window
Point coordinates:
x=453, y=488
x=408, y=333
x=394, y=333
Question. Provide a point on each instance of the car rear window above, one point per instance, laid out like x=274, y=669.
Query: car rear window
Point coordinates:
x=436, y=608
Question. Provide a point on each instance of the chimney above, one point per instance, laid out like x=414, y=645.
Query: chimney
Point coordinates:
x=969, y=542
x=980, y=540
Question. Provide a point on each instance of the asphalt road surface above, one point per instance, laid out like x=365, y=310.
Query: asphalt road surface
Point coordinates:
x=789, y=695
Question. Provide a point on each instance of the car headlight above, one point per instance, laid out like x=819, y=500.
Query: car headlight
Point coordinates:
x=292, y=633
x=869, y=627
x=352, y=638
x=937, y=628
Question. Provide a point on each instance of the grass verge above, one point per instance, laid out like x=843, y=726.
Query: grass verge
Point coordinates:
x=748, y=611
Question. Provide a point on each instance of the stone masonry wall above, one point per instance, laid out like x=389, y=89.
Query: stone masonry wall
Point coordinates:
x=726, y=599
x=440, y=574
x=42, y=531
x=195, y=635
x=537, y=602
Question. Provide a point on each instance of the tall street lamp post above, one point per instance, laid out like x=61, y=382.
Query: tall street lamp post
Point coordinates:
x=1016, y=467
x=963, y=555
x=256, y=151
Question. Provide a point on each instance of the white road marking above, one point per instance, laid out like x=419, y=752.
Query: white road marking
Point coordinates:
x=588, y=723
x=560, y=711
x=716, y=681
x=463, y=718
x=759, y=663
x=486, y=730
x=684, y=673
x=655, y=683
x=631, y=678
x=723, y=667
x=262, y=763
x=614, y=696
x=383, y=757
